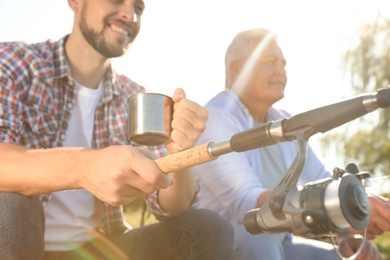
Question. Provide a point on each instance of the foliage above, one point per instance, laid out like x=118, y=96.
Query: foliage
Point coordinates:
x=367, y=66
x=365, y=141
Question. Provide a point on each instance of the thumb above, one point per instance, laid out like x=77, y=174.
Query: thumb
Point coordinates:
x=178, y=95
x=346, y=251
x=346, y=248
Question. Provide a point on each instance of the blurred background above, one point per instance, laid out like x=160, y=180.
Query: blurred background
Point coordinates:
x=183, y=43
x=334, y=50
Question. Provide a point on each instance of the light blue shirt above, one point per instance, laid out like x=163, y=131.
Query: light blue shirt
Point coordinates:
x=231, y=184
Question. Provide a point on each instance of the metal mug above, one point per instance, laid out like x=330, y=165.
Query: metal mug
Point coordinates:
x=150, y=117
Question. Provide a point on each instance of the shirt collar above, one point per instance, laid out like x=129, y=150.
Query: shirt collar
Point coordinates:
x=61, y=68
x=272, y=113
x=111, y=87
x=241, y=105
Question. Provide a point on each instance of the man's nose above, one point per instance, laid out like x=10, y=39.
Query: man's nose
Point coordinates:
x=280, y=67
x=128, y=12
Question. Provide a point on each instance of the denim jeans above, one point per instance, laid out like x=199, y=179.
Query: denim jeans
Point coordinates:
x=21, y=227
x=194, y=234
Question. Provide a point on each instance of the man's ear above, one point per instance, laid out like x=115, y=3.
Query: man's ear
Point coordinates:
x=235, y=69
x=74, y=5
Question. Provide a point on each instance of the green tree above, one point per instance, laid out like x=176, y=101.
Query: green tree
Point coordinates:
x=365, y=141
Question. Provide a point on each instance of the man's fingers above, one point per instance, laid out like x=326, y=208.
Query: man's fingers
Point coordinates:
x=178, y=95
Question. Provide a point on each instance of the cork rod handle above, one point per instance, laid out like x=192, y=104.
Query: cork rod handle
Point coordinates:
x=184, y=159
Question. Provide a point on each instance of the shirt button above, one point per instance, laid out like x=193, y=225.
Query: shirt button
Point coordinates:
x=63, y=137
x=70, y=105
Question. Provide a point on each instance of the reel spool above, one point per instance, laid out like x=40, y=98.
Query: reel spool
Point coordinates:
x=316, y=209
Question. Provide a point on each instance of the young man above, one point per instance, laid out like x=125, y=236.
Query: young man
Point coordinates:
x=63, y=136
x=238, y=182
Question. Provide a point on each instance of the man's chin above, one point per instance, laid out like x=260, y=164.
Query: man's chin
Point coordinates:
x=113, y=51
x=278, y=97
x=117, y=50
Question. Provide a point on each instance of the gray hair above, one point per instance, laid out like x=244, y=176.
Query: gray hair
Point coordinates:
x=245, y=44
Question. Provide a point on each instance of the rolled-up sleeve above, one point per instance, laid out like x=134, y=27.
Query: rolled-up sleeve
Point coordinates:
x=152, y=199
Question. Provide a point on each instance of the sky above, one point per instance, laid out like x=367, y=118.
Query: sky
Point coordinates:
x=182, y=43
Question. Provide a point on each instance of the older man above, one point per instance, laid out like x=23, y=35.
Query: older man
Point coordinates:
x=238, y=182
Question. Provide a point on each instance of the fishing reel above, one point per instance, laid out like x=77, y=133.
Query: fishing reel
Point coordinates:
x=319, y=208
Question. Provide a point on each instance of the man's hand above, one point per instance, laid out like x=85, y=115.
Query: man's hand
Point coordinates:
x=379, y=216
x=188, y=123
x=349, y=244
x=119, y=174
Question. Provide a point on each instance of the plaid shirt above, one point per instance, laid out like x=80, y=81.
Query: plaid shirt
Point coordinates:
x=37, y=95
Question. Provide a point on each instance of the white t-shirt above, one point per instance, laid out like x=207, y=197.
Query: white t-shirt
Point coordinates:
x=71, y=215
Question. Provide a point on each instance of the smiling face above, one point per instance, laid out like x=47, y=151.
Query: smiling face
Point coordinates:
x=255, y=68
x=110, y=26
x=268, y=79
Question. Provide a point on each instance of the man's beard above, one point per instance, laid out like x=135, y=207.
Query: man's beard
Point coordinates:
x=97, y=41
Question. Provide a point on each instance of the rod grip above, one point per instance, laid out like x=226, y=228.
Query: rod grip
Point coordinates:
x=252, y=138
x=184, y=159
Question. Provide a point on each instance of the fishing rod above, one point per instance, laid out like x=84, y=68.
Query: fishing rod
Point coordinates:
x=320, y=208
x=308, y=123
